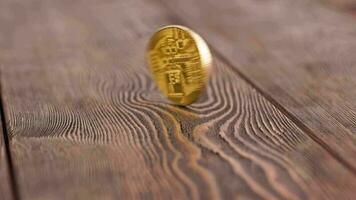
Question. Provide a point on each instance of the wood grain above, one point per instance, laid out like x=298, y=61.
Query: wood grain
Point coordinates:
x=300, y=54
x=87, y=122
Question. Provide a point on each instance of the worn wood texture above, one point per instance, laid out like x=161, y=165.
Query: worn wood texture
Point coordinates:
x=301, y=54
x=86, y=121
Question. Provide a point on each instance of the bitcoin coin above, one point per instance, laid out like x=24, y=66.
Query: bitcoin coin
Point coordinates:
x=180, y=61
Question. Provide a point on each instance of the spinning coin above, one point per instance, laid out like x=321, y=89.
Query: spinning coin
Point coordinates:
x=180, y=62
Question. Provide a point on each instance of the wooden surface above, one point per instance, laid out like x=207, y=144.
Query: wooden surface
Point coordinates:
x=301, y=55
x=85, y=121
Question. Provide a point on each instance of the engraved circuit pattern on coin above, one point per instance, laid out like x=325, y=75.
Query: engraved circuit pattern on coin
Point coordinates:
x=180, y=62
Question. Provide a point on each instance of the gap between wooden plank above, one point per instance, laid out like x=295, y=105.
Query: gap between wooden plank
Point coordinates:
x=12, y=174
x=293, y=118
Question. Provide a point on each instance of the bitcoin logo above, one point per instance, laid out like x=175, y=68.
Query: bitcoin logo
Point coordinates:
x=180, y=62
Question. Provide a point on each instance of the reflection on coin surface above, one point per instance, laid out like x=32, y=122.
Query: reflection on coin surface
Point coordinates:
x=180, y=62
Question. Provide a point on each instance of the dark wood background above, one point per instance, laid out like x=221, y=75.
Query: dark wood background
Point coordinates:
x=82, y=119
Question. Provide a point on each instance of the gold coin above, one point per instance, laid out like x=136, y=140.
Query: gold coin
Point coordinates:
x=180, y=62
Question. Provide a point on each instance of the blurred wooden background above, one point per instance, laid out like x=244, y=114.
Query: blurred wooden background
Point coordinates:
x=82, y=119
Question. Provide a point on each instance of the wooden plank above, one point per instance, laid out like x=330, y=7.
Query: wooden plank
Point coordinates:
x=87, y=121
x=298, y=53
